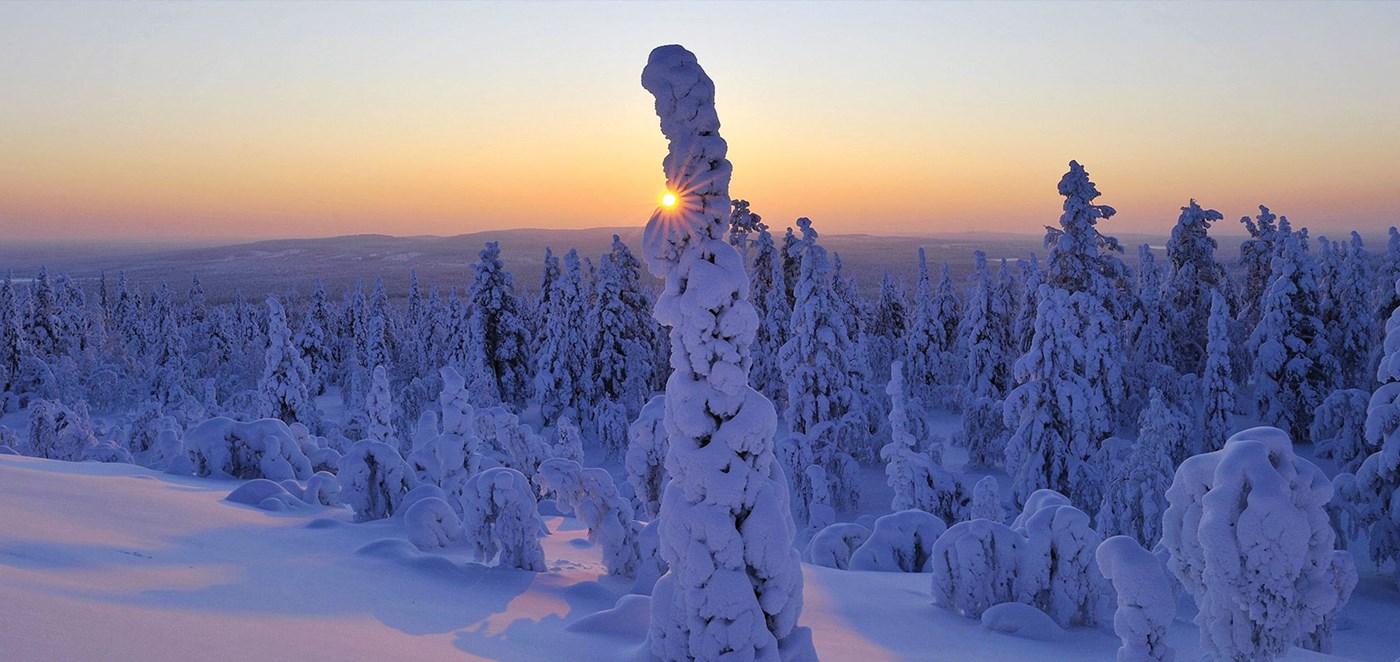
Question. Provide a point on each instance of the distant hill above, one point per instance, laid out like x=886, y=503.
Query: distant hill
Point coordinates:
x=285, y=266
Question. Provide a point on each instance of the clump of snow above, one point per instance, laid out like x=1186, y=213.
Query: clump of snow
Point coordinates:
x=1022, y=620
x=500, y=520
x=263, y=448
x=975, y=566
x=901, y=542
x=646, y=456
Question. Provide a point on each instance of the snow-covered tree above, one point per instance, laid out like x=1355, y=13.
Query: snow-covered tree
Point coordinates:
x=817, y=362
x=263, y=448
x=1134, y=499
x=986, y=501
x=285, y=382
x=770, y=300
x=900, y=542
x=1338, y=428
x=1146, y=605
x=619, y=359
x=734, y=588
x=1375, y=498
x=497, y=331
x=1347, y=314
x=1194, y=272
x=1293, y=365
x=561, y=381
x=500, y=519
x=1217, y=386
x=646, y=456
x=374, y=479
x=987, y=338
x=976, y=565
x=918, y=482
x=1266, y=235
x=595, y=501
x=1249, y=538
x=453, y=453
x=314, y=343
x=1048, y=447
x=380, y=410
x=922, y=342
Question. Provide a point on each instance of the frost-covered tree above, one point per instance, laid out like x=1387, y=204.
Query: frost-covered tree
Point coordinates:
x=453, y=454
x=379, y=412
x=922, y=340
x=619, y=359
x=1217, y=385
x=1338, y=428
x=888, y=326
x=1134, y=498
x=987, y=339
x=770, y=300
x=986, y=501
x=1146, y=605
x=1293, y=365
x=501, y=521
x=646, y=456
x=285, y=384
x=314, y=342
x=1147, y=334
x=595, y=501
x=1375, y=499
x=561, y=381
x=1049, y=444
x=1029, y=279
x=1266, y=234
x=734, y=588
x=374, y=479
x=1194, y=272
x=1249, y=538
x=1347, y=314
x=742, y=223
x=900, y=542
x=948, y=364
x=817, y=363
x=918, y=482
x=498, y=332
x=976, y=565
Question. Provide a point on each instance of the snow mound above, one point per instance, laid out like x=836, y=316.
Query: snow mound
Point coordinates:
x=901, y=542
x=628, y=619
x=432, y=524
x=265, y=494
x=833, y=546
x=1021, y=620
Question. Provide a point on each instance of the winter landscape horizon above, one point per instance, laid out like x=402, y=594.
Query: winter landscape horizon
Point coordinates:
x=470, y=331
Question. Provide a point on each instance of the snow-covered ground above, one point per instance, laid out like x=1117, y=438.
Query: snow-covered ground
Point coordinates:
x=117, y=562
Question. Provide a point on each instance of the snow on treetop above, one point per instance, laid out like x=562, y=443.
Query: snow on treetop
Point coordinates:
x=697, y=171
x=1081, y=192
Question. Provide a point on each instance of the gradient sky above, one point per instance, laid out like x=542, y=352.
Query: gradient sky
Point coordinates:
x=250, y=120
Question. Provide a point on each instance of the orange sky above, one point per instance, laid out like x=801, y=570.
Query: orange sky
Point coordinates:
x=245, y=120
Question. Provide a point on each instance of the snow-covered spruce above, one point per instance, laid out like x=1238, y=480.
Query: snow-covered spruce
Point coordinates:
x=900, y=542
x=561, y=381
x=1249, y=538
x=1146, y=605
x=263, y=448
x=918, y=481
x=986, y=334
x=500, y=520
x=646, y=456
x=1338, y=429
x=594, y=499
x=1374, y=497
x=285, y=386
x=508, y=442
x=497, y=363
x=1058, y=574
x=452, y=454
x=1133, y=499
x=975, y=565
x=1194, y=272
x=569, y=440
x=620, y=357
x=374, y=479
x=1293, y=365
x=379, y=413
x=986, y=501
x=1217, y=383
x=734, y=588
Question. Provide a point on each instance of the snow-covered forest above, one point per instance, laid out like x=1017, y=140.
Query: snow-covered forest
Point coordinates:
x=1090, y=441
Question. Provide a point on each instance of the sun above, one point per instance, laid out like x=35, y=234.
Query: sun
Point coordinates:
x=669, y=200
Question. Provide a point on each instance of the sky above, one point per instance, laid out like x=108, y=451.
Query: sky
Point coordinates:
x=147, y=121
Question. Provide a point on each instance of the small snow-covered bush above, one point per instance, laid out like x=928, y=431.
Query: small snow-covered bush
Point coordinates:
x=1249, y=537
x=509, y=442
x=57, y=432
x=1058, y=571
x=1146, y=605
x=975, y=565
x=646, y=456
x=106, y=451
x=1021, y=620
x=374, y=479
x=1343, y=576
x=257, y=449
x=986, y=501
x=832, y=547
x=594, y=498
x=431, y=523
x=901, y=542
x=500, y=520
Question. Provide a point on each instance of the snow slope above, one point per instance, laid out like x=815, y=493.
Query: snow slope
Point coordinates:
x=116, y=562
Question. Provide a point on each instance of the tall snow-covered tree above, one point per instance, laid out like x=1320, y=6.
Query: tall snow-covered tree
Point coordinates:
x=1376, y=497
x=769, y=296
x=561, y=380
x=284, y=389
x=618, y=359
x=314, y=343
x=734, y=588
x=1134, y=499
x=987, y=339
x=1194, y=272
x=1217, y=385
x=1347, y=314
x=1148, y=338
x=817, y=364
x=1266, y=234
x=380, y=411
x=1293, y=365
x=499, y=330
x=924, y=340
x=917, y=479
